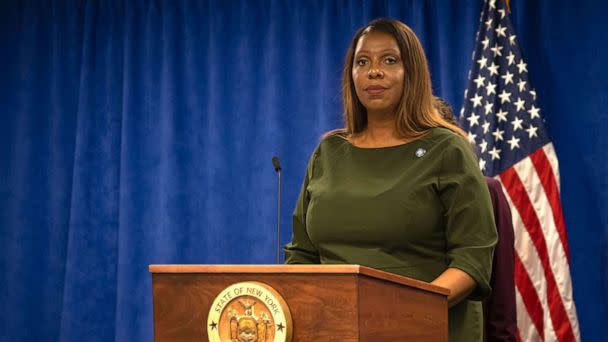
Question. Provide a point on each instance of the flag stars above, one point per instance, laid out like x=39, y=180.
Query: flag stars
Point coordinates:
x=522, y=66
x=473, y=120
x=488, y=23
x=511, y=58
x=500, y=30
x=497, y=50
x=534, y=112
x=507, y=125
x=532, y=131
x=482, y=62
x=504, y=96
x=472, y=137
x=520, y=104
x=508, y=77
x=488, y=107
x=502, y=115
x=482, y=164
x=498, y=134
x=486, y=127
x=517, y=124
x=485, y=42
x=476, y=100
x=522, y=85
x=513, y=142
x=483, y=145
x=493, y=69
x=495, y=153
x=490, y=88
x=480, y=80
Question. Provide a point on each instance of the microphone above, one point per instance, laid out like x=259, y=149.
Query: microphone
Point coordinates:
x=277, y=169
x=276, y=164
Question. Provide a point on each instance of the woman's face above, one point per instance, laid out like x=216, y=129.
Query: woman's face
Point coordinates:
x=378, y=72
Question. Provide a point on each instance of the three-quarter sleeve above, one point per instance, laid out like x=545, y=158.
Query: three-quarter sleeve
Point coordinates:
x=301, y=250
x=470, y=228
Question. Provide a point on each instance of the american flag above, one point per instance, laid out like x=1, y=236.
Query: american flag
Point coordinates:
x=507, y=126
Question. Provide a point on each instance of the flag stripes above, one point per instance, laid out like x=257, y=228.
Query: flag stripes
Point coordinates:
x=520, y=196
x=547, y=179
x=552, y=159
x=525, y=328
x=526, y=290
x=561, y=270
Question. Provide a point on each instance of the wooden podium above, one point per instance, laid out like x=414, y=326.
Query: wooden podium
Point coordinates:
x=327, y=302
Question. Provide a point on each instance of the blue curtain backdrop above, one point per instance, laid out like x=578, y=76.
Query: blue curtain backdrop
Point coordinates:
x=140, y=132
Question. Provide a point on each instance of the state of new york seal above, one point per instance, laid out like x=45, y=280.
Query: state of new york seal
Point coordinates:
x=249, y=312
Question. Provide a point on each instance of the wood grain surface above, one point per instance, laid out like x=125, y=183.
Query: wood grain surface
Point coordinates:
x=392, y=312
x=320, y=312
x=352, y=269
x=346, y=303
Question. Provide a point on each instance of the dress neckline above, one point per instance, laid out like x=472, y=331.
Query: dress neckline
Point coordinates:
x=383, y=148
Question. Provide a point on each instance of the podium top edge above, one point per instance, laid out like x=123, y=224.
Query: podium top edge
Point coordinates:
x=302, y=269
x=270, y=268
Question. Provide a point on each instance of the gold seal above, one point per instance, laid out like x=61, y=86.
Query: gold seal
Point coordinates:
x=249, y=312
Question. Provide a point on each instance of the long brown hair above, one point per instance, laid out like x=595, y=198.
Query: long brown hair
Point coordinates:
x=415, y=113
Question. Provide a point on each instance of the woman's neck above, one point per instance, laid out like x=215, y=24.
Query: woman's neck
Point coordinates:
x=380, y=132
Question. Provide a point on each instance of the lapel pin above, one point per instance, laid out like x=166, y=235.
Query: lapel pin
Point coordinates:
x=420, y=152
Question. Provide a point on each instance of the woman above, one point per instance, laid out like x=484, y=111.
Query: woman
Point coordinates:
x=398, y=189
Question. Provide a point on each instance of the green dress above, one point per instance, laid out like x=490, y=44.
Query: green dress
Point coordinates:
x=413, y=209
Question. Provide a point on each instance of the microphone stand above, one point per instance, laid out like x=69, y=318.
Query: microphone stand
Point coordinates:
x=277, y=169
x=279, y=217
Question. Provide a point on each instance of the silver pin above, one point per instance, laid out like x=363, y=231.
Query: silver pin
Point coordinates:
x=420, y=152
